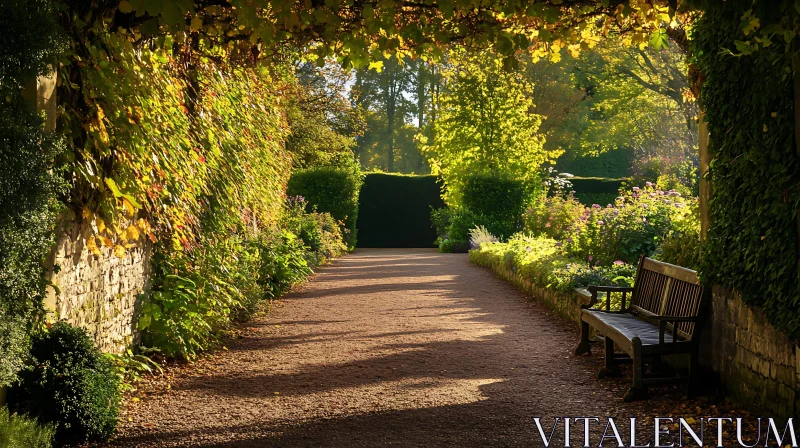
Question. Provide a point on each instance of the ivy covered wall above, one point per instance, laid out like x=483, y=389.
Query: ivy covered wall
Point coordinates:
x=752, y=243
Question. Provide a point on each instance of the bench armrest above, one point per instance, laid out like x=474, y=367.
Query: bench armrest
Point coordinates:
x=594, y=289
x=664, y=320
x=609, y=288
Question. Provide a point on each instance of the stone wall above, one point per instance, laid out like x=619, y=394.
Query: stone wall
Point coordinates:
x=756, y=365
x=98, y=293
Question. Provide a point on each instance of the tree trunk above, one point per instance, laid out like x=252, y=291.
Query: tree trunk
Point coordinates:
x=421, y=83
x=390, y=106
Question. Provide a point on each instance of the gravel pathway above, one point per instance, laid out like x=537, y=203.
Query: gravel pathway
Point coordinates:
x=395, y=347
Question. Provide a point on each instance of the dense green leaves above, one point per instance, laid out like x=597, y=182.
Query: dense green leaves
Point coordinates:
x=748, y=100
x=485, y=126
x=70, y=384
x=29, y=177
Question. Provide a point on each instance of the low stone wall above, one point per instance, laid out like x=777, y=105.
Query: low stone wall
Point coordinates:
x=756, y=364
x=98, y=293
x=565, y=305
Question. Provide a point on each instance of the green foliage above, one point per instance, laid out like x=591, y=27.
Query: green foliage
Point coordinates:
x=197, y=294
x=637, y=224
x=453, y=226
x=320, y=233
x=748, y=100
x=69, y=383
x=485, y=126
x=499, y=200
x=331, y=189
x=596, y=190
x=552, y=217
x=613, y=164
x=394, y=210
x=29, y=178
x=20, y=431
x=541, y=261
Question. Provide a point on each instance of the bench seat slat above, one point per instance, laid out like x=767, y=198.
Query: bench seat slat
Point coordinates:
x=624, y=327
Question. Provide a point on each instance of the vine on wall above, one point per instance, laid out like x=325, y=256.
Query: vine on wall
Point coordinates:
x=748, y=99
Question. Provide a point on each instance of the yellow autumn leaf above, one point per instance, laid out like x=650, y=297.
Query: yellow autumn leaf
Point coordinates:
x=86, y=213
x=132, y=233
x=107, y=241
x=128, y=206
x=119, y=251
x=91, y=244
x=101, y=225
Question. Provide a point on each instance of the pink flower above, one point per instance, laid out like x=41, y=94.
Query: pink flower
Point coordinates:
x=618, y=262
x=600, y=223
x=649, y=184
x=595, y=205
x=547, y=225
x=590, y=258
x=635, y=188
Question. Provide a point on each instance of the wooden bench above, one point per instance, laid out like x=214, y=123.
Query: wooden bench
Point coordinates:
x=665, y=316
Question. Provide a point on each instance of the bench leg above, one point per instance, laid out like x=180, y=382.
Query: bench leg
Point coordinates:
x=611, y=369
x=638, y=391
x=583, y=346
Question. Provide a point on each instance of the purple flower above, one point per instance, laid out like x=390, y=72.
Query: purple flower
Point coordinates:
x=569, y=240
x=667, y=201
x=652, y=194
x=635, y=188
x=609, y=206
x=559, y=244
x=595, y=205
x=590, y=258
x=649, y=184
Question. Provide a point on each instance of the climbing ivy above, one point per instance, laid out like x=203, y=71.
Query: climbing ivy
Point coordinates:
x=748, y=100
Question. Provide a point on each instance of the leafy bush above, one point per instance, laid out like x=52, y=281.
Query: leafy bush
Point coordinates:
x=69, y=383
x=197, y=294
x=542, y=261
x=453, y=226
x=320, y=233
x=638, y=222
x=20, y=431
x=499, y=200
x=333, y=190
x=553, y=216
x=30, y=181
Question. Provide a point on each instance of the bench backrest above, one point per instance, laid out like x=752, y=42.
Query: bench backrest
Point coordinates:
x=664, y=289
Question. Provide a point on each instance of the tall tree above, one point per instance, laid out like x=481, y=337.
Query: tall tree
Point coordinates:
x=486, y=124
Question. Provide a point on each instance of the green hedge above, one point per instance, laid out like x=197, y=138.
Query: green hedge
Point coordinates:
x=596, y=190
x=500, y=200
x=331, y=190
x=395, y=210
x=752, y=244
x=613, y=163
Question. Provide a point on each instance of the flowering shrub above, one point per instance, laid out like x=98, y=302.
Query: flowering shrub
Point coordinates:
x=552, y=217
x=635, y=225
